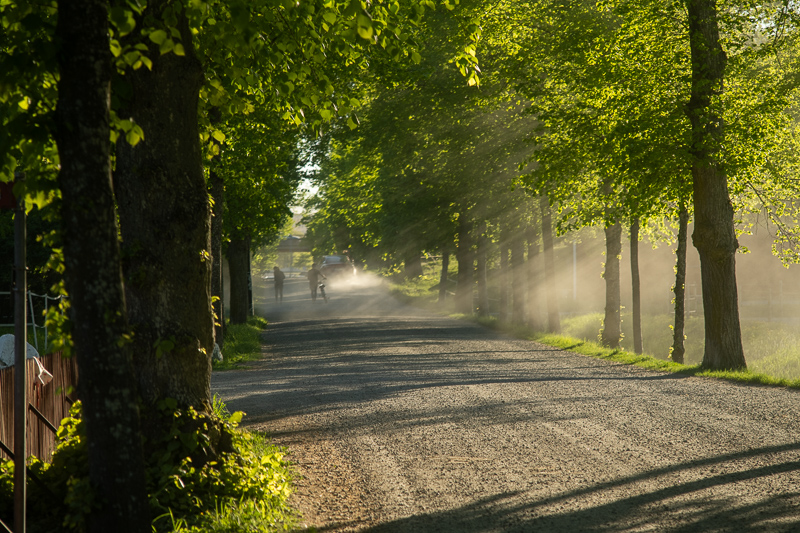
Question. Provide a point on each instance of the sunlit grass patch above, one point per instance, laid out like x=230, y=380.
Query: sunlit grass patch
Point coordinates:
x=242, y=343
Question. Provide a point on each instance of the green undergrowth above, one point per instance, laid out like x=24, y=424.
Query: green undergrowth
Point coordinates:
x=242, y=343
x=772, y=349
x=203, y=474
x=418, y=291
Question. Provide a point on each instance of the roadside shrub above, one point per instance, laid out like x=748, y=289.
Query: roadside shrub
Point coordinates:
x=202, y=472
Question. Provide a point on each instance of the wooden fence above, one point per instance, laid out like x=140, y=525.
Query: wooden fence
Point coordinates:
x=51, y=402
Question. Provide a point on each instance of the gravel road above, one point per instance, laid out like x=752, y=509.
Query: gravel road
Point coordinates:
x=401, y=421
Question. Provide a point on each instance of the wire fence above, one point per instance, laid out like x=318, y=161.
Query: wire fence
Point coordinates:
x=38, y=305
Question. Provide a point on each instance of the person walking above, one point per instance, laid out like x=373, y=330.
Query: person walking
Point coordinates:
x=314, y=276
x=279, y=277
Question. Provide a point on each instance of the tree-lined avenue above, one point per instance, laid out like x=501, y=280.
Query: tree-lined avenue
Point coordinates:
x=404, y=421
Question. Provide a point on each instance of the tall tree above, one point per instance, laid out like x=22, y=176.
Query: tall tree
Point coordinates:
x=165, y=219
x=636, y=307
x=714, y=235
x=611, y=333
x=92, y=270
x=678, y=348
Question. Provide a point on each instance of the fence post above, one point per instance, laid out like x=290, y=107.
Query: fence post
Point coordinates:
x=20, y=368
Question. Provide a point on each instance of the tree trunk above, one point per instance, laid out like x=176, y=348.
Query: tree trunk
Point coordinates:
x=218, y=194
x=636, y=288
x=165, y=222
x=714, y=235
x=678, y=349
x=413, y=264
x=483, y=291
x=553, y=315
x=518, y=286
x=93, y=274
x=238, y=264
x=443, y=276
x=503, y=275
x=611, y=322
x=534, y=288
x=466, y=266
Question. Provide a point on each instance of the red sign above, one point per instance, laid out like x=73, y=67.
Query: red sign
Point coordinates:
x=7, y=200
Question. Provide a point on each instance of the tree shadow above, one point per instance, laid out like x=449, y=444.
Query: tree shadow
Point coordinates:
x=688, y=507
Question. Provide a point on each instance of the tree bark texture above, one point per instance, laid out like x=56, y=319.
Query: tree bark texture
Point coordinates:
x=519, y=287
x=636, y=289
x=218, y=194
x=553, y=314
x=611, y=323
x=165, y=219
x=466, y=266
x=534, y=279
x=444, y=280
x=93, y=274
x=481, y=268
x=678, y=348
x=238, y=264
x=714, y=235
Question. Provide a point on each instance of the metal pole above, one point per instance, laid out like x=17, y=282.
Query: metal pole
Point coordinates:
x=20, y=382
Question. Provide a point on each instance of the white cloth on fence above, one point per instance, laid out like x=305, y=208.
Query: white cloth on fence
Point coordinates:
x=7, y=358
x=7, y=351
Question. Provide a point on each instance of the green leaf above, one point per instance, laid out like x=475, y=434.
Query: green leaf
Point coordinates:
x=166, y=46
x=158, y=37
x=123, y=19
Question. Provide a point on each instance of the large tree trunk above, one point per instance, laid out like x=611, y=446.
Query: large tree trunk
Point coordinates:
x=678, y=349
x=636, y=288
x=165, y=220
x=519, y=287
x=238, y=266
x=483, y=290
x=466, y=266
x=611, y=323
x=218, y=194
x=714, y=235
x=93, y=274
x=553, y=314
x=443, y=276
x=533, y=281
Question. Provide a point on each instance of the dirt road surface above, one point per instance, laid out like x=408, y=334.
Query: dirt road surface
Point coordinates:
x=401, y=421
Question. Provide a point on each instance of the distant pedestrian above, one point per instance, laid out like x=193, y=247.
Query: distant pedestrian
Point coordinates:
x=314, y=276
x=279, y=277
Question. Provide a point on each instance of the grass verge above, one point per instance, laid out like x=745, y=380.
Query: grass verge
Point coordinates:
x=242, y=343
x=416, y=293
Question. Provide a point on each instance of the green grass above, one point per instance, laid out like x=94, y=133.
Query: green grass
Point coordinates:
x=772, y=350
x=242, y=343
